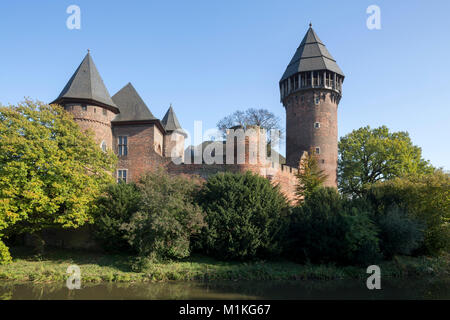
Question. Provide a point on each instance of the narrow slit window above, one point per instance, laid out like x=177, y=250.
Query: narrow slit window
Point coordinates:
x=123, y=145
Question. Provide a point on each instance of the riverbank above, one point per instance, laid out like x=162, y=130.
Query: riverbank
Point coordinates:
x=98, y=267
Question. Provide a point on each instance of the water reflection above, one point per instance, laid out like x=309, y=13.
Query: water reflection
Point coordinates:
x=340, y=289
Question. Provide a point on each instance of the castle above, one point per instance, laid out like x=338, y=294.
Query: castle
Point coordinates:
x=310, y=91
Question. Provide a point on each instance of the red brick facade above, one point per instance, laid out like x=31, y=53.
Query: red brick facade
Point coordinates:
x=311, y=122
x=149, y=147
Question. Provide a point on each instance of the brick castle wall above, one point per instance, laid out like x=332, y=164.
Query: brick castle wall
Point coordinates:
x=302, y=113
x=94, y=118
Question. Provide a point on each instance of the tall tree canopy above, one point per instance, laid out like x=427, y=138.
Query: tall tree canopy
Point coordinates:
x=369, y=155
x=50, y=171
x=256, y=117
x=310, y=177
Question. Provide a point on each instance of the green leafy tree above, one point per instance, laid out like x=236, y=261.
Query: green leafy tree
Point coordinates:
x=245, y=216
x=426, y=198
x=310, y=177
x=329, y=228
x=114, y=208
x=168, y=216
x=369, y=155
x=399, y=233
x=50, y=171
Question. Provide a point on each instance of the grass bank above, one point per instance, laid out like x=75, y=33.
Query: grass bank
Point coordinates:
x=97, y=267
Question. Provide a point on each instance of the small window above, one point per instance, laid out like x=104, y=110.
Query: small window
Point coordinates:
x=122, y=176
x=95, y=110
x=317, y=100
x=84, y=107
x=104, y=112
x=103, y=146
x=317, y=125
x=302, y=98
x=323, y=160
x=317, y=150
x=123, y=145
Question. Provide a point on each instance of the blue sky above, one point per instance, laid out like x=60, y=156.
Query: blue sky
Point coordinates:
x=210, y=58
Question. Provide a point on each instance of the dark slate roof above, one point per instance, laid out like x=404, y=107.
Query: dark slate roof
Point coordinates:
x=131, y=105
x=311, y=55
x=86, y=84
x=170, y=121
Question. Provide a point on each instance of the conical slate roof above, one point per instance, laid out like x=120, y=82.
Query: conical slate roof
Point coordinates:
x=311, y=55
x=86, y=84
x=170, y=121
x=131, y=105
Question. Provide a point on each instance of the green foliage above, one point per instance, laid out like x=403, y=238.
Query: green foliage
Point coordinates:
x=426, y=198
x=5, y=256
x=330, y=229
x=369, y=155
x=399, y=234
x=50, y=171
x=245, y=216
x=114, y=208
x=310, y=176
x=167, y=218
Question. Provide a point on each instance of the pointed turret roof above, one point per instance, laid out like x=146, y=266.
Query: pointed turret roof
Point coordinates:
x=170, y=121
x=311, y=55
x=86, y=85
x=131, y=105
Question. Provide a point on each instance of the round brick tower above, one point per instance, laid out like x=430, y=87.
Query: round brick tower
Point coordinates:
x=86, y=97
x=311, y=89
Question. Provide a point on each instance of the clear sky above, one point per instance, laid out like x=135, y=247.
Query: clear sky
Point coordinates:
x=210, y=58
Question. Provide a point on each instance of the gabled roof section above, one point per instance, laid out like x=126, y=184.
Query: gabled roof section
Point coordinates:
x=170, y=121
x=86, y=84
x=311, y=55
x=131, y=105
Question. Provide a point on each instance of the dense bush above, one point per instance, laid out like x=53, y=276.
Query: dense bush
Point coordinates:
x=245, y=217
x=167, y=217
x=5, y=256
x=426, y=198
x=398, y=233
x=330, y=229
x=114, y=208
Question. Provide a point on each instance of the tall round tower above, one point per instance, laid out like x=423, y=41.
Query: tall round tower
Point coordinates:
x=86, y=97
x=311, y=89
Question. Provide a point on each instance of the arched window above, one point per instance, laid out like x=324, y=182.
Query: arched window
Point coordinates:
x=103, y=146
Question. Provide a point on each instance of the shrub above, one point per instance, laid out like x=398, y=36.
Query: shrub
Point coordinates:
x=114, y=208
x=330, y=229
x=245, y=217
x=426, y=199
x=167, y=218
x=399, y=234
x=5, y=257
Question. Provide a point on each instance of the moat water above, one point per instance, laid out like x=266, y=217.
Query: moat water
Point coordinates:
x=298, y=290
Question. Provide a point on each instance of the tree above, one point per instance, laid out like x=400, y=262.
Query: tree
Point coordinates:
x=310, y=177
x=245, y=216
x=167, y=218
x=255, y=117
x=426, y=198
x=369, y=155
x=328, y=228
x=50, y=171
x=115, y=207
